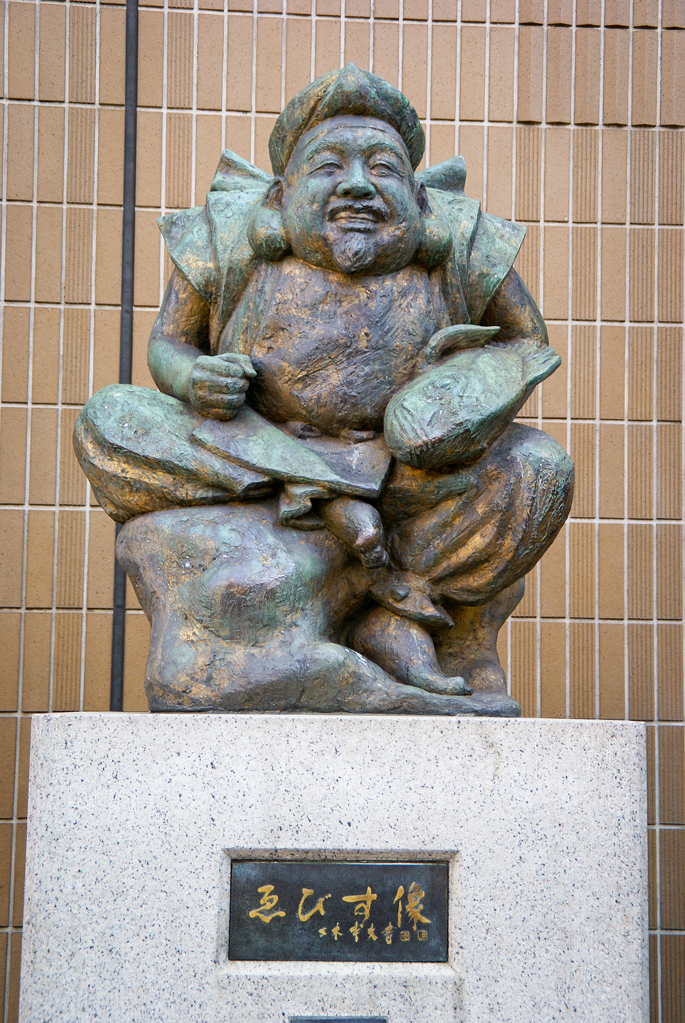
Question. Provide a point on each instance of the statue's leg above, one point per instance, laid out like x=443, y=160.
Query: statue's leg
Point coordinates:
x=242, y=610
x=405, y=649
x=358, y=525
x=134, y=446
x=470, y=646
x=473, y=535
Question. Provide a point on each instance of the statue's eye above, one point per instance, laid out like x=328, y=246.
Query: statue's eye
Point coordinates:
x=385, y=167
x=328, y=164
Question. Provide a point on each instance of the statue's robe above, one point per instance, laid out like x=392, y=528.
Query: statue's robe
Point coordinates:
x=331, y=358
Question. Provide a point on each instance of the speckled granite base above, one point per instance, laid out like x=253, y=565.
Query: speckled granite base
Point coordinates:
x=133, y=819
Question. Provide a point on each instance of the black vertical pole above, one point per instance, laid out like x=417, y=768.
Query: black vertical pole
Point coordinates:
x=116, y=698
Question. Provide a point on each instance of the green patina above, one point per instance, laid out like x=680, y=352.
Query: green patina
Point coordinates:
x=328, y=504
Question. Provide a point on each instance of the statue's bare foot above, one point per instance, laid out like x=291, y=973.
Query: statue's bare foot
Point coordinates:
x=406, y=595
x=470, y=646
x=436, y=682
x=405, y=650
x=359, y=526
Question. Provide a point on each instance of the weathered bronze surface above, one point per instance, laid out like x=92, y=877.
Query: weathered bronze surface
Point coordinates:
x=332, y=911
x=328, y=504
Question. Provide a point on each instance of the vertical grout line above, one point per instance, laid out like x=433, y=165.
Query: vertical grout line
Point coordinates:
x=193, y=112
x=626, y=365
x=3, y=104
x=486, y=105
x=598, y=363
x=429, y=79
x=541, y=252
x=312, y=49
x=224, y=74
x=457, y=86
x=655, y=375
x=657, y=317
x=126, y=323
x=5, y=980
x=537, y=613
x=514, y=116
x=682, y=488
x=13, y=864
x=163, y=142
x=91, y=346
x=283, y=51
x=372, y=34
x=27, y=444
x=62, y=313
x=343, y=13
x=514, y=145
x=17, y=724
x=570, y=359
x=253, y=83
x=400, y=37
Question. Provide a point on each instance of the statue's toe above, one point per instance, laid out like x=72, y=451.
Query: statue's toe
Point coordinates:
x=408, y=602
x=441, y=685
x=377, y=557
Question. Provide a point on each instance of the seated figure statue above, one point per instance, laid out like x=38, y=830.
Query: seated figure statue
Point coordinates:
x=328, y=504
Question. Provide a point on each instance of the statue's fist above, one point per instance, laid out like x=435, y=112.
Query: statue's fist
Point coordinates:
x=218, y=384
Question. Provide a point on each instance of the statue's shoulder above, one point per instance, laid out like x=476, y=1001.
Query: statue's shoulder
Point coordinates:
x=209, y=243
x=187, y=237
x=236, y=189
x=484, y=246
x=444, y=183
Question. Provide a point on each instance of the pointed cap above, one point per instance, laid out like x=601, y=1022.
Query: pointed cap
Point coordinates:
x=348, y=91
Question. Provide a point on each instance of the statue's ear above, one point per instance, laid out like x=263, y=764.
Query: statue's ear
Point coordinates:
x=435, y=242
x=274, y=194
x=266, y=231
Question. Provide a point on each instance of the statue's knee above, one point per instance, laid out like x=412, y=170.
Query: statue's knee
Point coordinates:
x=544, y=457
x=95, y=423
x=83, y=435
x=100, y=405
x=554, y=463
x=102, y=412
x=107, y=401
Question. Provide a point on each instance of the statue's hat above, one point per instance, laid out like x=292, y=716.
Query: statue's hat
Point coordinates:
x=349, y=91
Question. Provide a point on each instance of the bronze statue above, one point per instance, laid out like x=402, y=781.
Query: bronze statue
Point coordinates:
x=328, y=504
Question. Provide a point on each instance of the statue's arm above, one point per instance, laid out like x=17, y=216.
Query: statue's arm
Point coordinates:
x=179, y=360
x=416, y=436
x=514, y=311
x=179, y=335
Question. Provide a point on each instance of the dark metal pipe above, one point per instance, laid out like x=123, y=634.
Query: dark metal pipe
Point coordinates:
x=116, y=688
x=116, y=699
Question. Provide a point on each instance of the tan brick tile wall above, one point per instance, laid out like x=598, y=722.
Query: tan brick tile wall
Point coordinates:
x=570, y=114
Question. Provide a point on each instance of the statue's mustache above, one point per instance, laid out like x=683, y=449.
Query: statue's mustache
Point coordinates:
x=375, y=209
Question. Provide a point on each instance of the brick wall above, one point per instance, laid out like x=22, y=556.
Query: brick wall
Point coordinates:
x=570, y=116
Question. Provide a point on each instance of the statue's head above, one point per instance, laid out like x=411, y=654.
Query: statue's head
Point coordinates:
x=344, y=196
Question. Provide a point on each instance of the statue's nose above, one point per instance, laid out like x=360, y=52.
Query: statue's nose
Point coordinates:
x=356, y=183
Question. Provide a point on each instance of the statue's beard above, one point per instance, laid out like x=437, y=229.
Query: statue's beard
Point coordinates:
x=379, y=248
x=382, y=250
x=354, y=251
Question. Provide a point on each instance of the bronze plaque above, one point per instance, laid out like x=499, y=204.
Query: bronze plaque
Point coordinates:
x=333, y=911
x=337, y=1019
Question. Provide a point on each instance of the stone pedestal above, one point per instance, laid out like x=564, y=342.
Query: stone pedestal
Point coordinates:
x=134, y=819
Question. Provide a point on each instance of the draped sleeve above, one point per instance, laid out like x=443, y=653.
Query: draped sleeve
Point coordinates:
x=484, y=247
x=209, y=244
x=189, y=243
x=495, y=247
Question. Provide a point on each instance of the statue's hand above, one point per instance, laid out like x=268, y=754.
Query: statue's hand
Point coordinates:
x=218, y=384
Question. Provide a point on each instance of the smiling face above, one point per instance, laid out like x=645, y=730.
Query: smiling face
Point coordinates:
x=350, y=202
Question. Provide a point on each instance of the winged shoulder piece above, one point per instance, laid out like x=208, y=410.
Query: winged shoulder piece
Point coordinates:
x=210, y=246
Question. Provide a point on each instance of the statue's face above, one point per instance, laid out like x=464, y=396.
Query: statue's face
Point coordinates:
x=349, y=198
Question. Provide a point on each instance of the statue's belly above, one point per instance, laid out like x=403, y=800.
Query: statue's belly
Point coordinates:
x=332, y=350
